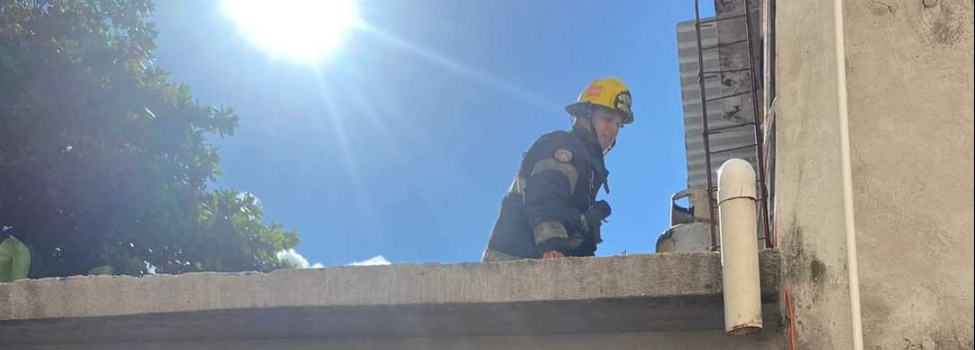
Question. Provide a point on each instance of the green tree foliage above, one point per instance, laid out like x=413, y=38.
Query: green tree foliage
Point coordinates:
x=104, y=161
x=14, y=260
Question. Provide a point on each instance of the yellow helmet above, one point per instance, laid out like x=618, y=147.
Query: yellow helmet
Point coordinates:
x=609, y=92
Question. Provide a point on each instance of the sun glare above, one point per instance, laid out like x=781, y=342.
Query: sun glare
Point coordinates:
x=306, y=31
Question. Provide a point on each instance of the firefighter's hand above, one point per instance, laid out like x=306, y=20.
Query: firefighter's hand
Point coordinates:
x=592, y=220
x=597, y=213
x=552, y=254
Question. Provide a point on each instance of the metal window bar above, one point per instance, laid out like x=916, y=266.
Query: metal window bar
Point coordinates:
x=726, y=128
x=712, y=47
x=759, y=133
x=704, y=119
x=728, y=71
x=769, y=98
x=728, y=96
x=757, y=123
x=717, y=19
x=733, y=149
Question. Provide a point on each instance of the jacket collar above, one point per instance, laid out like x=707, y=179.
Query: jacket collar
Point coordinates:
x=595, y=152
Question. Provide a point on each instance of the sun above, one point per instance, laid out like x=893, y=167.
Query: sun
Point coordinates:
x=306, y=31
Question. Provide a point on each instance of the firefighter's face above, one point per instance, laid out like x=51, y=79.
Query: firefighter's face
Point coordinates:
x=607, y=123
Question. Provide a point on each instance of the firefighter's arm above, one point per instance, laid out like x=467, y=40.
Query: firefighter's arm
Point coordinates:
x=547, y=192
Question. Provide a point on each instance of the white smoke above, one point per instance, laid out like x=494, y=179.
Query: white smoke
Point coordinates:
x=298, y=260
x=373, y=261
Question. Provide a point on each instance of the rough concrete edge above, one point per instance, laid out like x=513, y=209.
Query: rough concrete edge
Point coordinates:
x=665, y=276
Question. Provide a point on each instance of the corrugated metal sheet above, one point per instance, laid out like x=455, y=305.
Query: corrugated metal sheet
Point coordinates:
x=691, y=95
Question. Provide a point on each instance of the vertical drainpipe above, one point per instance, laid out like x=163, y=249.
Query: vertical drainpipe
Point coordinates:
x=842, y=107
x=739, y=248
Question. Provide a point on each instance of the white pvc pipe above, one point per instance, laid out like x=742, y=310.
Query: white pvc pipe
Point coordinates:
x=843, y=112
x=739, y=248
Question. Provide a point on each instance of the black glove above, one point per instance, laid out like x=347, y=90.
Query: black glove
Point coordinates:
x=593, y=219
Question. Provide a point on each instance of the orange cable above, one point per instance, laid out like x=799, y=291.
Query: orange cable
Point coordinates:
x=792, y=319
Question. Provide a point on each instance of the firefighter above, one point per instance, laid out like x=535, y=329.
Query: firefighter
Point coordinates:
x=550, y=210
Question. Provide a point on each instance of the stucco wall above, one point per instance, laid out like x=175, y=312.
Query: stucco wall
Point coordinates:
x=909, y=71
x=909, y=66
x=809, y=202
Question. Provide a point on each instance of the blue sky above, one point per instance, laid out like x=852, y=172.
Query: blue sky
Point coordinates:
x=403, y=143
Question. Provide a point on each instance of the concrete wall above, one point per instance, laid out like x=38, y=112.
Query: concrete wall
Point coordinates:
x=909, y=67
x=715, y=340
x=909, y=71
x=809, y=203
x=670, y=301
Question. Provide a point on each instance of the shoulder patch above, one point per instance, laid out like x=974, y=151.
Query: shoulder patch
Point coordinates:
x=563, y=155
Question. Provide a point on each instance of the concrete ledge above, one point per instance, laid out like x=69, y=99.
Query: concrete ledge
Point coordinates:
x=659, y=292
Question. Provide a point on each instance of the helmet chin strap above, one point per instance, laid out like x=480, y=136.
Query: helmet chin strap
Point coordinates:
x=610, y=148
x=595, y=138
x=592, y=129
